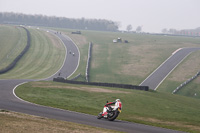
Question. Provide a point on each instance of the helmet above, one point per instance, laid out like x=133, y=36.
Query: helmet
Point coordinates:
x=117, y=100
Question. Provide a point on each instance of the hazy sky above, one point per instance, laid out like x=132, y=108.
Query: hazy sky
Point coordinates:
x=153, y=15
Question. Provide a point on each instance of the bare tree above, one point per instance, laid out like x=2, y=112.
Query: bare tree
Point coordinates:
x=139, y=29
x=172, y=31
x=164, y=30
x=129, y=27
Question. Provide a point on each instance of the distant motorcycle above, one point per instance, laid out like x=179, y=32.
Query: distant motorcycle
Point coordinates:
x=111, y=112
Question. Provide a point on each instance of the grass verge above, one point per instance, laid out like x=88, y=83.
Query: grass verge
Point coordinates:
x=12, y=42
x=11, y=122
x=152, y=108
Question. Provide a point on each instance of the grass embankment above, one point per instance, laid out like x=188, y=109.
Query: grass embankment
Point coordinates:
x=44, y=58
x=152, y=108
x=13, y=40
x=11, y=122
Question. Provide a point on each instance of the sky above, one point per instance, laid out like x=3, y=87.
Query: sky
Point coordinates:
x=152, y=15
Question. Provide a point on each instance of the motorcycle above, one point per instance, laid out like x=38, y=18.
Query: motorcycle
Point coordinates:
x=111, y=112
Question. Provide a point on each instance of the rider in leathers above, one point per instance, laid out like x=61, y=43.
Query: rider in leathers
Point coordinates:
x=107, y=107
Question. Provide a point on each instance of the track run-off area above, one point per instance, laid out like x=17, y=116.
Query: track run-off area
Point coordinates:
x=9, y=101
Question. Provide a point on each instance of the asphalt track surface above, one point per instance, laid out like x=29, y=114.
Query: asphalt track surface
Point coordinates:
x=72, y=56
x=159, y=75
x=9, y=101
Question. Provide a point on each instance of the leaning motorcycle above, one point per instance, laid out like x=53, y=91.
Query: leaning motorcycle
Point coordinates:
x=111, y=112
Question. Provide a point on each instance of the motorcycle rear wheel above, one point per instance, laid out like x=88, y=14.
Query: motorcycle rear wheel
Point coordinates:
x=114, y=116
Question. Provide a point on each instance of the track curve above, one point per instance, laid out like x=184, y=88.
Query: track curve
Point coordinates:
x=72, y=58
x=9, y=101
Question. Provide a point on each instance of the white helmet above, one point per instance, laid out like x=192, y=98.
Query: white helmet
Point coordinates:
x=117, y=100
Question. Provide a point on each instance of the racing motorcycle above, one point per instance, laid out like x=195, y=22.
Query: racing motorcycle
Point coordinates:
x=111, y=112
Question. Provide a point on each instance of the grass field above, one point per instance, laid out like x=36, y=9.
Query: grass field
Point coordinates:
x=11, y=122
x=152, y=108
x=44, y=58
x=12, y=41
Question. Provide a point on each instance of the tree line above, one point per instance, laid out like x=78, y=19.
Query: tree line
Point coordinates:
x=137, y=30
x=186, y=32
x=60, y=22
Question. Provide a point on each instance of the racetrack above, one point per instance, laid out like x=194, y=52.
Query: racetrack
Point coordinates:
x=9, y=101
x=72, y=57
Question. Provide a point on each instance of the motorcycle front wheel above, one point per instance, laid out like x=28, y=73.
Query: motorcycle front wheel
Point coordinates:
x=99, y=116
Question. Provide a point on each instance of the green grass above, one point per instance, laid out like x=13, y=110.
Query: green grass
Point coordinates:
x=12, y=41
x=152, y=108
x=44, y=58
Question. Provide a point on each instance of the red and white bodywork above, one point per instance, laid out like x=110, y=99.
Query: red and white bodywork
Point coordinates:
x=117, y=106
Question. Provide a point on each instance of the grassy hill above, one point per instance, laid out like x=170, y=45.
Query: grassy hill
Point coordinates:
x=13, y=40
x=44, y=58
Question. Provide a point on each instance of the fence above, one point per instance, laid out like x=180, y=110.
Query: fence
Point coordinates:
x=126, y=86
x=76, y=77
x=186, y=82
x=88, y=62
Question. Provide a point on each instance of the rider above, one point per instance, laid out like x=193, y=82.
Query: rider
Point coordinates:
x=107, y=107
